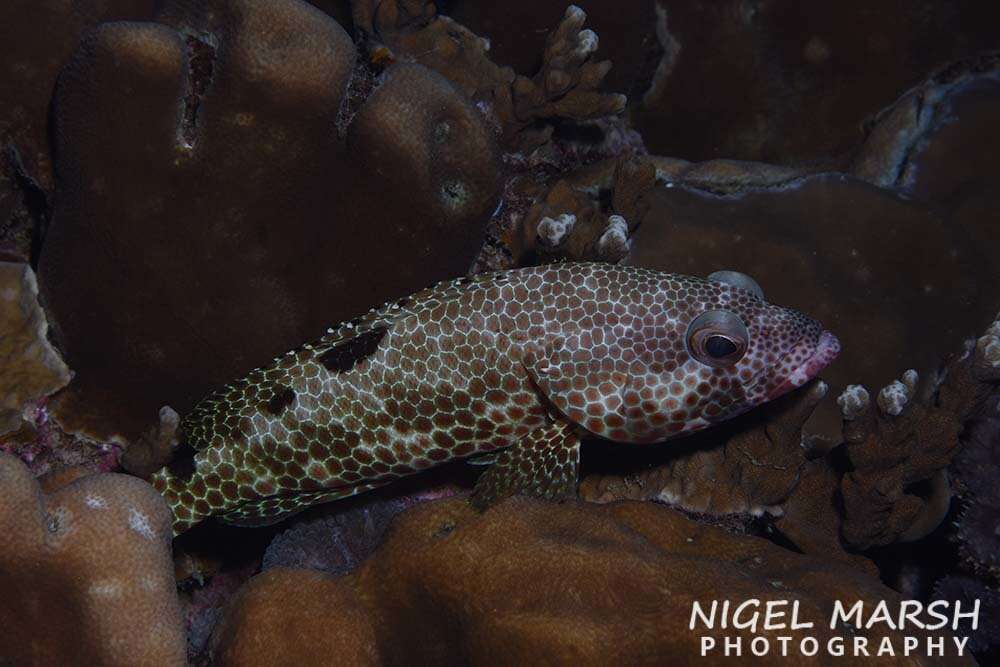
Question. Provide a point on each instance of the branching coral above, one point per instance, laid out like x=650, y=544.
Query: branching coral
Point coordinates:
x=566, y=86
x=86, y=572
x=30, y=367
x=898, y=440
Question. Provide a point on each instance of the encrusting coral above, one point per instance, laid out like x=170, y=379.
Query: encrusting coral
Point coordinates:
x=86, y=572
x=30, y=368
x=219, y=121
x=610, y=583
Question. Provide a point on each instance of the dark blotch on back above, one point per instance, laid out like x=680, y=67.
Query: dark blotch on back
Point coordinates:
x=283, y=397
x=344, y=356
x=181, y=465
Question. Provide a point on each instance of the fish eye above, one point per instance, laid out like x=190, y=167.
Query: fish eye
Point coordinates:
x=717, y=338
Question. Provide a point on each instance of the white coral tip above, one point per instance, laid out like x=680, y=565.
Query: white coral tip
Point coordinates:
x=853, y=401
x=554, y=231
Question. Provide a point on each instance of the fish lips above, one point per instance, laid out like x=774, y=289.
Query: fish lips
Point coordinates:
x=827, y=349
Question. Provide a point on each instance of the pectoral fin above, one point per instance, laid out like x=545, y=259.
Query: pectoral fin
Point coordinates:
x=544, y=464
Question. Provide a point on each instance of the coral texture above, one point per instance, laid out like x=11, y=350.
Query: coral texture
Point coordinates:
x=794, y=83
x=86, y=572
x=219, y=123
x=608, y=584
x=975, y=472
x=30, y=368
x=567, y=85
x=896, y=441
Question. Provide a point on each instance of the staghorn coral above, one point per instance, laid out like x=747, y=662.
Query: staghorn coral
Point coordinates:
x=565, y=86
x=896, y=441
x=519, y=29
x=569, y=220
x=609, y=584
x=86, y=573
x=30, y=368
x=218, y=122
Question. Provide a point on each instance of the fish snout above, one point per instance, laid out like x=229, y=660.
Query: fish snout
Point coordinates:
x=805, y=361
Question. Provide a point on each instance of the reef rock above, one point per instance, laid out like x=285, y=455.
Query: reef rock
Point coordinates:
x=231, y=182
x=86, y=572
x=533, y=582
x=30, y=367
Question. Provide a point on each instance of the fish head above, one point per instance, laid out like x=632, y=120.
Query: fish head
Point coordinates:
x=736, y=352
x=675, y=354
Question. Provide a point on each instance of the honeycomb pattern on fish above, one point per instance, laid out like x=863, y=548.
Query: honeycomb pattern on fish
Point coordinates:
x=526, y=358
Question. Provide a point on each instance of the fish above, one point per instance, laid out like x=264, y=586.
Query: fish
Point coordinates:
x=514, y=367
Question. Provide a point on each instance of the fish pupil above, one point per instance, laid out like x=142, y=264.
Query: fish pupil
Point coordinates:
x=719, y=347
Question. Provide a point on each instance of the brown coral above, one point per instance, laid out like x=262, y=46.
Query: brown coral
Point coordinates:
x=898, y=440
x=30, y=367
x=608, y=584
x=86, y=572
x=249, y=223
x=794, y=83
x=567, y=85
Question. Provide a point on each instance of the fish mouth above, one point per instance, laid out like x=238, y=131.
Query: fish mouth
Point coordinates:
x=827, y=349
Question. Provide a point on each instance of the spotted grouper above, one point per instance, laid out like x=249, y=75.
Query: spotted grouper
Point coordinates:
x=519, y=363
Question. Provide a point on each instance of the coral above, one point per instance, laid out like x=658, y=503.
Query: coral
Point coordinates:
x=608, y=584
x=974, y=472
x=31, y=64
x=30, y=368
x=338, y=541
x=902, y=133
x=938, y=142
x=968, y=590
x=295, y=617
x=518, y=30
x=898, y=441
x=565, y=86
x=86, y=572
x=793, y=83
x=745, y=470
x=250, y=223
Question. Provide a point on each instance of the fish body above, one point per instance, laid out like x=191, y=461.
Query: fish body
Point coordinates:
x=522, y=361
